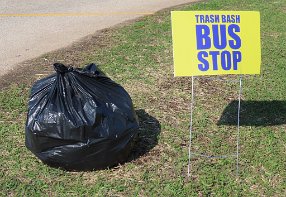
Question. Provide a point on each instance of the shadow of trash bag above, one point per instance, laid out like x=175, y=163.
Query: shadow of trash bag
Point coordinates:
x=79, y=119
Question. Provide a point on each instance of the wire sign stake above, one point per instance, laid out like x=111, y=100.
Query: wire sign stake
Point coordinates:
x=216, y=43
x=191, y=127
x=237, y=134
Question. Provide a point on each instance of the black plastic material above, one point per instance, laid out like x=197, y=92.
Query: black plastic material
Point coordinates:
x=79, y=119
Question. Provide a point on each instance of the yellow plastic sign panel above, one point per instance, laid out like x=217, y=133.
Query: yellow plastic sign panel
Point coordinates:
x=216, y=42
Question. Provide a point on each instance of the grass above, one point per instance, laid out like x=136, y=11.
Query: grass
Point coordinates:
x=139, y=56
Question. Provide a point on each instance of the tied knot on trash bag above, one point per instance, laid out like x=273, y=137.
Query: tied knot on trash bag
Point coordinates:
x=79, y=119
x=61, y=68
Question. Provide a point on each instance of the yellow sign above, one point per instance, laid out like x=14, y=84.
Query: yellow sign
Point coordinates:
x=216, y=42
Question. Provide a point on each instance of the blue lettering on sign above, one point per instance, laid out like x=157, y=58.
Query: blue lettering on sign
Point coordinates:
x=204, y=66
x=236, y=59
x=225, y=60
x=203, y=39
x=207, y=18
x=230, y=18
x=236, y=42
x=218, y=36
x=214, y=55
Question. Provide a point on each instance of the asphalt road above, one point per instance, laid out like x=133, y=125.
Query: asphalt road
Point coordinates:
x=31, y=28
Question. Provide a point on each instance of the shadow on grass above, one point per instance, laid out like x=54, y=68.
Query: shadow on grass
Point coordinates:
x=149, y=130
x=255, y=113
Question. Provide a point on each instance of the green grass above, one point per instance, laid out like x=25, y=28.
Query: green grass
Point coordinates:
x=139, y=56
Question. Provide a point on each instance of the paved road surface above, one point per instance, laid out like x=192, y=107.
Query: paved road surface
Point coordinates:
x=32, y=27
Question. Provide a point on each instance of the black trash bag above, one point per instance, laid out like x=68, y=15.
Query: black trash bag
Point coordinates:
x=79, y=119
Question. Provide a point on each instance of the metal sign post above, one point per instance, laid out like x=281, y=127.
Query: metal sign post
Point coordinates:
x=238, y=122
x=191, y=127
x=237, y=135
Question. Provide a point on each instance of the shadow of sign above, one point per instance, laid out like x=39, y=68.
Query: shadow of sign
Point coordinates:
x=255, y=113
x=149, y=130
